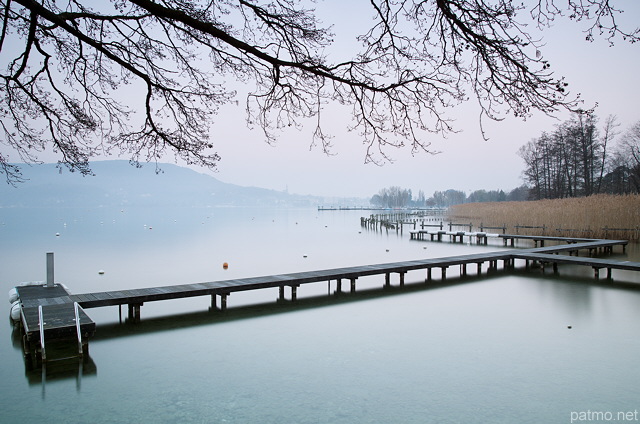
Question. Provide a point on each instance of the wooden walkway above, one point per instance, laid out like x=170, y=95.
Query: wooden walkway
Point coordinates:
x=58, y=311
x=482, y=237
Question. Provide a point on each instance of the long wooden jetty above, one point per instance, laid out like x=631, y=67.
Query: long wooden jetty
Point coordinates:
x=49, y=313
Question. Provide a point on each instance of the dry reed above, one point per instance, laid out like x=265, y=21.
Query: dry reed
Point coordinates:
x=599, y=216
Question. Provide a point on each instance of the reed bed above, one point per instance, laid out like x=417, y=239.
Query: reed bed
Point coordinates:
x=599, y=216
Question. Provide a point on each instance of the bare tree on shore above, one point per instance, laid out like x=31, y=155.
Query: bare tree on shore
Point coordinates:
x=580, y=159
x=629, y=157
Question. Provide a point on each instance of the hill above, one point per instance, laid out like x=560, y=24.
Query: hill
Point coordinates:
x=118, y=183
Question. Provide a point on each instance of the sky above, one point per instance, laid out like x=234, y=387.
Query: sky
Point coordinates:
x=602, y=74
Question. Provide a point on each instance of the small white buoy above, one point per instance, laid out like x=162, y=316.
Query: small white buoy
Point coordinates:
x=101, y=272
x=304, y=256
x=57, y=234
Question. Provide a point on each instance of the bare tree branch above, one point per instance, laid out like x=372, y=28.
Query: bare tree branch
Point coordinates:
x=66, y=88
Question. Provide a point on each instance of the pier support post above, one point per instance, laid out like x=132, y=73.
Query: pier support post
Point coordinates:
x=428, y=274
x=596, y=272
x=281, y=294
x=463, y=269
x=353, y=285
x=402, y=279
x=339, y=286
x=555, y=267
x=608, y=273
x=479, y=268
x=294, y=293
x=387, y=280
x=223, y=301
x=444, y=272
x=134, y=312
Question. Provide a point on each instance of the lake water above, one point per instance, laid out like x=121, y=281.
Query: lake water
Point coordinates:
x=489, y=349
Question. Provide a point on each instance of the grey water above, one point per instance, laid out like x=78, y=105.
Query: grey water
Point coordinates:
x=493, y=348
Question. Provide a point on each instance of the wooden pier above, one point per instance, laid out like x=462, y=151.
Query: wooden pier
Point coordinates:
x=51, y=313
x=482, y=237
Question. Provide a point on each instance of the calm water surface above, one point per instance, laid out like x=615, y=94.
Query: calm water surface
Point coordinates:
x=493, y=349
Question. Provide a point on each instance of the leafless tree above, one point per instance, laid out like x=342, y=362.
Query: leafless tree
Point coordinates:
x=629, y=150
x=578, y=159
x=69, y=67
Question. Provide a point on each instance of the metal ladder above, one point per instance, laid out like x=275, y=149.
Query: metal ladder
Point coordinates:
x=76, y=310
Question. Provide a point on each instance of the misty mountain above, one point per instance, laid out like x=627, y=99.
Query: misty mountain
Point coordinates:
x=118, y=183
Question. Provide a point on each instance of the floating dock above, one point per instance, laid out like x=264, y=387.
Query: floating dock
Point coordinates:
x=48, y=315
x=51, y=313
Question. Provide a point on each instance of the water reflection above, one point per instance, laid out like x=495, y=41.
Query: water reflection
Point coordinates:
x=62, y=369
x=63, y=365
x=212, y=317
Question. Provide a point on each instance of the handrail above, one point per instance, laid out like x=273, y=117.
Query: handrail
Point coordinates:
x=75, y=308
x=41, y=325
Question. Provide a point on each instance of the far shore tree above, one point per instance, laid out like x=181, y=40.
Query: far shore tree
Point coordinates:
x=393, y=197
x=66, y=64
x=579, y=158
x=628, y=159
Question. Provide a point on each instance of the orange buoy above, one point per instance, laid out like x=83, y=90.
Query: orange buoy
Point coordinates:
x=225, y=265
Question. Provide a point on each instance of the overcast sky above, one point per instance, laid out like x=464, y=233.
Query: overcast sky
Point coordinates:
x=602, y=74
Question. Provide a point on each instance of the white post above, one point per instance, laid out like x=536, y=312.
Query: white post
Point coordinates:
x=50, y=269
